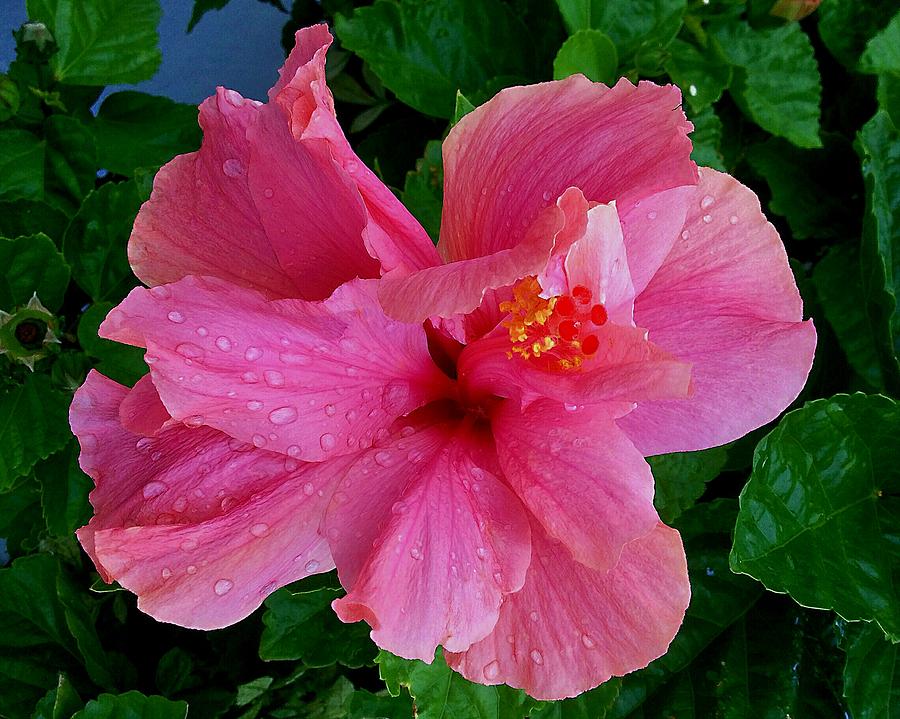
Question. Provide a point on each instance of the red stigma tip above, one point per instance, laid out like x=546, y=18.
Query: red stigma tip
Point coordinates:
x=565, y=306
x=581, y=294
x=567, y=330
x=590, y=344
x=599, y=315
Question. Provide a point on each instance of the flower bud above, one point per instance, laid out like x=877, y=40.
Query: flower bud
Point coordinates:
x=26, y=333
x=794, y=9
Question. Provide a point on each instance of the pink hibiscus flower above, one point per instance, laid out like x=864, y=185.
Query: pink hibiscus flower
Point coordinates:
x=461, y=431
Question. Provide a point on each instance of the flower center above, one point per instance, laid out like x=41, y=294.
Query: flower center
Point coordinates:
x=556, y=333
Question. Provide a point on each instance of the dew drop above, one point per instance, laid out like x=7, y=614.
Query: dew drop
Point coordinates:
x=223, y=343
x=195, y=420
x=273, y=378
x=268, y=192
x=155, y=456
x=384, y=459
x=685, y=235
x=166, y=573
x=191, y=569
x=233, y=167
x=188, y=544
x=415, y=553
x=222, y=587
x=547, y=196
x=259, y=441
x=259, y=530
x=153, y=489
x=161, y=292
x=189, y=350
x=693, y=90
x=491, y=670
x=283, y=415
x=707, y=219
x=254, y=404
x=293, y=358
x=480, y=553
x=587, y=641
x=327, y=441
x=250, y=378
x=142, y=445
x=308, y=489
x=533, y=616
x=202, y=331
x=293, y=451
x=733, y=219
x=351, y=415
x=311, y=566
x=651, y=215
x=175, y=317
x=536, y=657
x=180, y=504
x=351, y=371
x=330, y=410
x=252, y=354
x=707, y=202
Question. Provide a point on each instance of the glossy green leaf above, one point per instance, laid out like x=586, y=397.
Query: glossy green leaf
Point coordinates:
x=423, y=192
x=29, y=217
x=590, y=53
x=879, y=147
x=31, y=265
x=872, y=674
x=96, y=239
x=882, y=52
x=132, y=705
x=64, y=491
x=707, y=138
x=70, y=162
x=302, y=625
x=123, y=363
x=846, y=27
x=776, y=79
x=134, y=130
x=439, y=692
x=61, y=702
x=838, y=281
x=33, y=425
x=818, y=517
x=681, y=478
x=365, y=705
x=21, y=165
x=593, y=704
x=702, y=74
x=629, y=23
x=425, y=52
x=101, y=42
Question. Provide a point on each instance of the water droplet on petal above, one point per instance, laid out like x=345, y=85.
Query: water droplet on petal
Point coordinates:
x=259, y=441
x=330, y=410
x=283, y=415
x=254, y=404
x=480, y=552
x=685, y=235
x=252, y=354
x=536, y=657
x=384, y=459
x=651, y=215
x=273, y=378
x=166, y=573
x=223, y=586
x=268, y=192
x=533, y=616
x=202, y=331
x=491, y=670
x=587, y=641
x=308, y=489
x=161, y=292
x=175, y=317
x=415, y=553
x=223, y=343
x=191, y=569
x=327, y=441
x=259, y=530
x=195, y=420
x=311, y=566
x=293, y=451
x=250, y=377
x=189, y=350
x=707, y=201
x=733, y=219
x=142, y=445
x=693, y=90
x=707, y=219
x=233, y=167
x=153, y=489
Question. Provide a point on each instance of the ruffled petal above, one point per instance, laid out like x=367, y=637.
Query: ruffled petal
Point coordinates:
x=311, y=380
x=459, y=287
x=625, y=368
x=572, y=628
x=724, y=300
x=391, y=233
x=508, y=158
x=427, y=540
x=201, y=527
x=579, y=475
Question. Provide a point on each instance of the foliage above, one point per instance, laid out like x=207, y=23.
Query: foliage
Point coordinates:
x=806, y=114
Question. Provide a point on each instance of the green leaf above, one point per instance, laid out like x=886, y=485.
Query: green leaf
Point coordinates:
x=28, y=217
x=32, y=265
x=707, y=137
x=846, y=27
x=301, y=625
x=590, y=53
x=101, y=42
x=872, y=674
x=95, y=241
x=20, y=517
x=134, y=130
x=882, y=52
x=463, y=107
x=439, y=692
x=64, y=492
x=805, y=188
x=629, y=23
x=879, y=147
x=33, y=425
x=21, y=165
x=425, y=52
x=423, y=192
x=818, y=518
x=132, y=705
x=838, y=281
x=61, y=702
x=593, y=704
x=122, y=363
x=776, y=80
x=681, y=479
x=364, y=705
x=70, y=162
x=702, y=74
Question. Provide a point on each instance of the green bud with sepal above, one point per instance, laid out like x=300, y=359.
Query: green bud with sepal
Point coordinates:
x=28, y=334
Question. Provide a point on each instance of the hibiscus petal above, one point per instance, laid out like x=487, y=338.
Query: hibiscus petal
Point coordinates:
x=579, y=475
x=725, y=300
x=571, y=628
x=505, y=160
x=625, y=368
x=459, y=287
x=311, y=380
x=199, y=526
x=391, y=233
x=427, y=540
x=142, y=412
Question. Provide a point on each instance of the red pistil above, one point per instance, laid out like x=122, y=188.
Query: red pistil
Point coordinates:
x=590, y=344
x=565, y=306
x=581, y=294
x=599, y=315
x=568, y=330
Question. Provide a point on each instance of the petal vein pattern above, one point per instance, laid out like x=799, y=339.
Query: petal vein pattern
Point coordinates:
x=310, y=380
